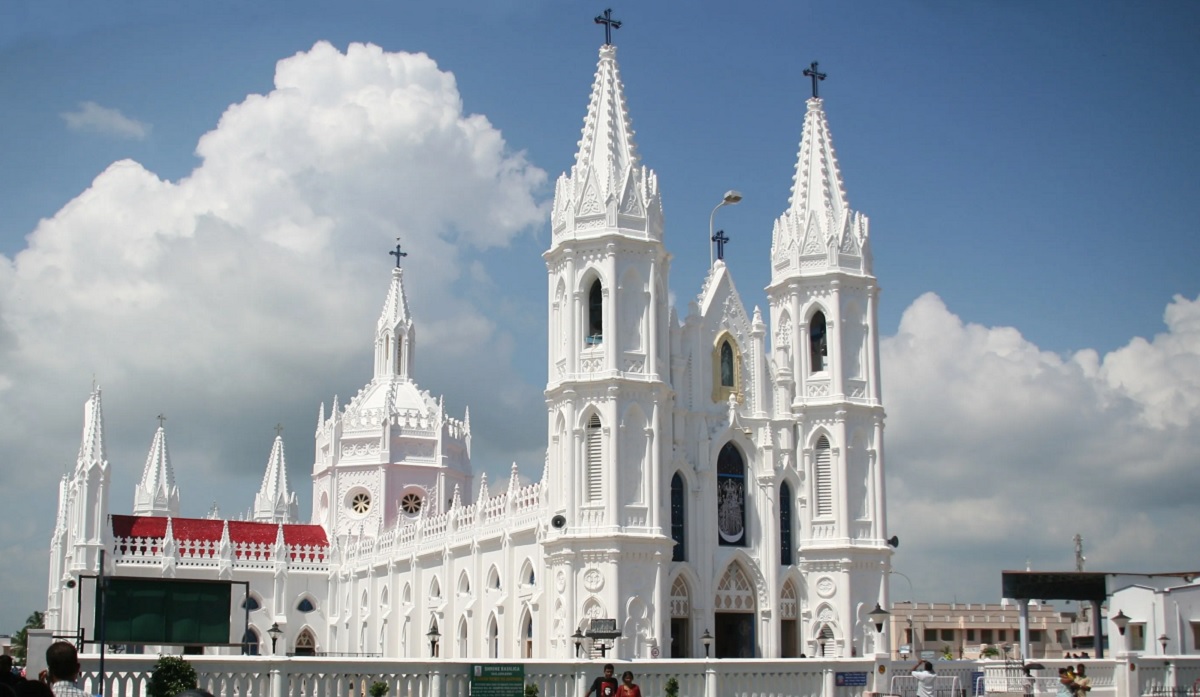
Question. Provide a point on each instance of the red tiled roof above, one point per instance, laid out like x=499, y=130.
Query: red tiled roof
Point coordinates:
x=202, y=529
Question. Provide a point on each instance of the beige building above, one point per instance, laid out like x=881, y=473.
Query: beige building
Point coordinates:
x=967, y=630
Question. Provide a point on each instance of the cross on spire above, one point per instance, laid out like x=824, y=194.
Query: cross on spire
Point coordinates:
x=161, y=420
x=398, y=254
x=720, y=239
x=816, y=77
x=609, y=24
x=278, y=430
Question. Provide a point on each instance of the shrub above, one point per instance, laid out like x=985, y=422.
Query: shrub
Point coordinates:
x=378, y=689
x=672, y=687
x=531, y=689
x=171, y=676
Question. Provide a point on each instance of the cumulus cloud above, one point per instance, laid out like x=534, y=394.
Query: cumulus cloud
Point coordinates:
x=246, y=291
x=1000, y=452
x=93, y=118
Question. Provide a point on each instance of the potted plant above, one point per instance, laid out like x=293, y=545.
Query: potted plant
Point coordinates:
x=378, y=689
x=672, y=687
x=531, y=689
x=171, y=676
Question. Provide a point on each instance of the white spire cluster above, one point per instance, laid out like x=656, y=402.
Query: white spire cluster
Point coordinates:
x=156, y=494
x=275, y=502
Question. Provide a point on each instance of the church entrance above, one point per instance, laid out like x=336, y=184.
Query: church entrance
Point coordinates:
x=734, y=635
x=736, y=608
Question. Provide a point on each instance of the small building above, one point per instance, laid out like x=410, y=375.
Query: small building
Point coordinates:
x=967, y=630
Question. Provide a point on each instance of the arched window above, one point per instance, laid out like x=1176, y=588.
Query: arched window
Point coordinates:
x=305, y=605
x=679, y=552
x=306, y=643
x=527, y=637
x=789, y=612
x=824, y=477
x=527, y=575
x=464, y=584
x=435, y=588
x=493, y=581
x=595, y=328
x=726, y=364
x=731, y=496
x=592, y=482
x=493, y=638
x=785, y=524
x=681, y=613
x=251, y=603
x=818, y=348
x=250, y=642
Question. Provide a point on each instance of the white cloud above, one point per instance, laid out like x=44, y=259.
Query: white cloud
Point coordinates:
x=999, y=451
x=247, y=291
x=93, y=118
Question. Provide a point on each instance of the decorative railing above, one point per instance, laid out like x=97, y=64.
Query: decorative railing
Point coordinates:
x=152, y=550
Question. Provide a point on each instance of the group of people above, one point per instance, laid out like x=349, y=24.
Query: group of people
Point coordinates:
x=607, y=685
x=58, y=680
x=1073, y=682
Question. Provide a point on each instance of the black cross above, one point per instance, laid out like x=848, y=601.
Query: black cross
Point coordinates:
x=720, y=239
x=398, y=254
x=161, y=420
x=812, y=72
x=278, y=430
x=609, y=24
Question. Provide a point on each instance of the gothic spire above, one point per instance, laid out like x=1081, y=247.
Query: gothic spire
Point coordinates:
x=818, y=224
x=91, y=447
x=156, y=494
x=275, y=502
x=607, y=187
x=394, y=333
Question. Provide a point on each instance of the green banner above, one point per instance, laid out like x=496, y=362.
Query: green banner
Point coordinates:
x=498, y=680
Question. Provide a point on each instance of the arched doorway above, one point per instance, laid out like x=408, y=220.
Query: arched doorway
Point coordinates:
x=735, y=611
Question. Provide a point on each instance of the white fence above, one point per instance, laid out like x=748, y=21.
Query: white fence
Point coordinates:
x=267, y=676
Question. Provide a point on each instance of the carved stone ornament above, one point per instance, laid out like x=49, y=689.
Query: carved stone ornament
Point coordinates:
x=593, y=580
x=826, y=587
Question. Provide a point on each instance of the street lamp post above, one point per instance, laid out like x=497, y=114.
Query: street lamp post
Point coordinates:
x=731, y=198
x=578, y=637
x=707, y=640
x=878, y=617
x=275, y=632
x=1162, y=640
x=433, y=635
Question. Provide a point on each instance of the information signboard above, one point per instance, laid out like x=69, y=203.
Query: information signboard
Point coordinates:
x=855, y=679
x=498, y=680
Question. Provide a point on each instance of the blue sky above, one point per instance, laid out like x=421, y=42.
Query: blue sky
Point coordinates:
x=1034, y=165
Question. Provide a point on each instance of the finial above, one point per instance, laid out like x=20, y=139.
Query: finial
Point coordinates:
x=398, y=254
x=720, y=239
x=161, y=420
x=279, y=429
x=609, y=24
x=816, y=77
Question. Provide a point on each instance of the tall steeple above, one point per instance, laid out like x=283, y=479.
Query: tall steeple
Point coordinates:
x=607, y=187
x=818, y=232
x=156, y=494
x=275, y=502
x=395, y=336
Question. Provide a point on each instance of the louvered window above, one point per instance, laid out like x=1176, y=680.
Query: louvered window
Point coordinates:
x=593, y=488
x=824, y=478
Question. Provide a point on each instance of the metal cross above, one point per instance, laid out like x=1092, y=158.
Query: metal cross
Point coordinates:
x=398, y=254
x=609, y=24
x=161, y=420
x=278, y=429
x=816, y=77
x=720, y=239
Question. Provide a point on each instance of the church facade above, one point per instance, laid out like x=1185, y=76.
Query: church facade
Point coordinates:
x=716, y=475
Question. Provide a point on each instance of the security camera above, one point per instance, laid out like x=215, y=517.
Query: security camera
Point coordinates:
x=559, y=522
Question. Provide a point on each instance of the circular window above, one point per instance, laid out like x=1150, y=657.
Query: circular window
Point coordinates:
x=411, y=504
x=360, y=503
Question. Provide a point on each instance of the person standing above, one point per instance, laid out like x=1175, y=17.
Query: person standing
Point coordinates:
x=925, y=676
x=62, y=667
x=605, y=686
x=1083, y=684
x=628, y=687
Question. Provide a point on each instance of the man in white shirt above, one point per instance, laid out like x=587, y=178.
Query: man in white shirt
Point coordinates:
x=925, y=676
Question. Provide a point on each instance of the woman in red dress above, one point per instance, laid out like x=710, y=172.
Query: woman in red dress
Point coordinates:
x=628, y=688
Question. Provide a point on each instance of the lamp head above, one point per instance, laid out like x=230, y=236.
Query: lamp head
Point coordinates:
x=274, y=631
x=732, y=197
x=706, y=638
x=878, y=616
x=1121, y=620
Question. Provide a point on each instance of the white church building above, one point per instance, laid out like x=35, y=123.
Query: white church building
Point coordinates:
x=709, y=472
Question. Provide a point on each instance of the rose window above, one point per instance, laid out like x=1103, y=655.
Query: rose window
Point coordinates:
x=361, y=503
x=411, y=504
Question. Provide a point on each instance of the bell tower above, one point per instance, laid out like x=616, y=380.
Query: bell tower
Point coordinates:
x=609, y=405
x=823, y=298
